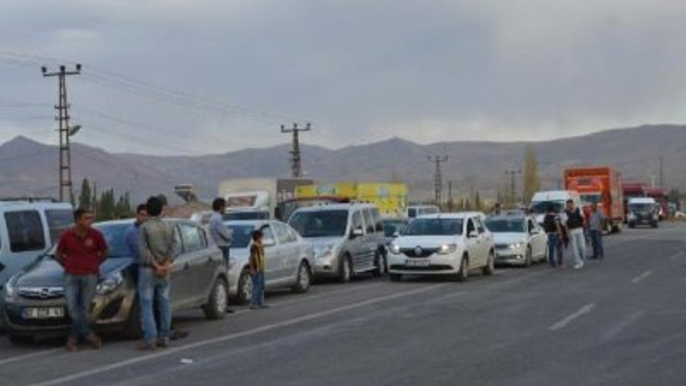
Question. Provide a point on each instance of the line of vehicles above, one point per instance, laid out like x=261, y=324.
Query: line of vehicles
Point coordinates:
x=326, y=236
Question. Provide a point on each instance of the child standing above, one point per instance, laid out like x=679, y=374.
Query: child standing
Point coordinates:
x=257, y=271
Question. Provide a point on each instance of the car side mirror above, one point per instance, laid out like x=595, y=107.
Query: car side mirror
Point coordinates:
x=473, y=234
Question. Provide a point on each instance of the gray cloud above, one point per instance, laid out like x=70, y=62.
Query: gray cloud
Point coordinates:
x=360, y=70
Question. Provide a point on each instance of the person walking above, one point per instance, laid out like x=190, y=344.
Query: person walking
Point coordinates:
x=553, y=229
x=256, y=266
x=221, y=234
x=157, y=248
x=577, y=239
x=81, y=250
x=596, y=224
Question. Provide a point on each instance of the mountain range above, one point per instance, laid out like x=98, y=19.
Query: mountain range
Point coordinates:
x=31, y=168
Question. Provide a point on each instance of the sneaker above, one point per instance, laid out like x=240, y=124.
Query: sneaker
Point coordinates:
x=72, y=344
x=94, y=341
x=579, y=265
x=147, y=346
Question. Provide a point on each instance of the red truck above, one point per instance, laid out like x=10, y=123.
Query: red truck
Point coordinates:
x=601, y=185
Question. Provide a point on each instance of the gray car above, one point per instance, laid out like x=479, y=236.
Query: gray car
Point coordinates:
x=35, y=303
x=348, y=239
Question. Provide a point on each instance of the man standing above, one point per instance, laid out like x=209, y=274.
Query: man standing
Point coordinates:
x=157, y=246
x=577, y=239
x=497, y=209
x=131, y=235
x=80, y=251
x=553, y=229
x=220, y=233
x=596, y=226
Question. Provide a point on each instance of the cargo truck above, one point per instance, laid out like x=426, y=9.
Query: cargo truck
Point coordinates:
x=390, y=198
x=600, y=185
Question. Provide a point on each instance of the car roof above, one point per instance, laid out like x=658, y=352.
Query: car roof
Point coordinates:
x=249, y=222
x=130, y=221
x=458, y=215
x=35, y=205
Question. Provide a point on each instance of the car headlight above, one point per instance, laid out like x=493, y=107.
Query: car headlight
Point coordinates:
x=323, y=252
x=10, y=289
x=447, y=249
x=110, y=284
x=516, y=245
x=395, y=249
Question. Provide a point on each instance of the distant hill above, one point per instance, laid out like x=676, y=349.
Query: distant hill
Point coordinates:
x=29, y=167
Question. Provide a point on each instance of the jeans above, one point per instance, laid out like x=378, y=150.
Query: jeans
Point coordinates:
x=154, y=292
x=554, y=245
x=79, y=291
x=597, y=242
x=577, y=241
x=257, y=289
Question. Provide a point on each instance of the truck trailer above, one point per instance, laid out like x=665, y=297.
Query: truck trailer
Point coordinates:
x=600, y=185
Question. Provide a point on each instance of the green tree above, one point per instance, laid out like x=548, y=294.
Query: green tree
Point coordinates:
x=86, y=196
x=123, y=206
x=531, y=181
x=107, y=206
x=477, y=200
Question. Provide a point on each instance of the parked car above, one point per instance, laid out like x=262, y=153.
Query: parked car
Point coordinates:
x=348, y=239
x=35, y=303
x=421, y=210
x=289, y=260
x=443, y=244
x=519, y=240
x=28, y=229
x=392, y=227
x=643, y=211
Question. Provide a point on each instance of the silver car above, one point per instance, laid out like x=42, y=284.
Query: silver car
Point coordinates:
x=289, y=258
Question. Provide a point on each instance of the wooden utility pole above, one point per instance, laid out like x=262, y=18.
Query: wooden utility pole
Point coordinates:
x=65, y=131
x=296, y=160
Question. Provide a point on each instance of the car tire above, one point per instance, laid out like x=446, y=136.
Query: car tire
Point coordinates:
x=244, y=289
x=396, y=277
x=632, y=225
x=463, y=273
x=380, y=262
x=303, y=279
x=490, y=265
x=20, y=340
x=528, y=259
x=345, y=270
x=133, y=329
x=218, y=302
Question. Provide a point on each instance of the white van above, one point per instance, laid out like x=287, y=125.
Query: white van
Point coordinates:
x=557, y=198
x=28, y=229
x=643, y=211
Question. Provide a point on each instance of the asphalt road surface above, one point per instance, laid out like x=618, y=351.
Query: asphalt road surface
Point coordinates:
x=621, y=321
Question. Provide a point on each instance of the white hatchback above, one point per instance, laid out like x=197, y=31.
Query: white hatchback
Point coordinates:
x=442, y=244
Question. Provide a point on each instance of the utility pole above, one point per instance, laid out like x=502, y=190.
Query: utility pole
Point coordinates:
x=65, y=131
x=451, y=203
x=438, y=160
x=513, y=184
x=296, y=161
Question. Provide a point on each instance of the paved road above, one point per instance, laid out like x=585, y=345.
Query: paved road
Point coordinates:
x=621, y=321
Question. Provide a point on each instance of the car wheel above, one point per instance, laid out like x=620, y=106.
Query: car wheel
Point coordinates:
x=132, y=328
x=244, y=288
x=490, y=265
x=632, y=225
x=218, y=302
x=464, y=268
x=345, y=270
x=304, y=278
x=20, y=340
x=528, y=259
x=396, y=277
x=380, y=262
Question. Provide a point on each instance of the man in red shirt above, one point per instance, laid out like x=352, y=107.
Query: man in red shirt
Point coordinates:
x=80, y=251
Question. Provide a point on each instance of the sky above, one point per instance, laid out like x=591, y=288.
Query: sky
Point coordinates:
x=212, y=76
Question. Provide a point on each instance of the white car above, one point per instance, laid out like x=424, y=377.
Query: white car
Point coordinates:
x=289, y=260
x=519, y=240
x=442, y=244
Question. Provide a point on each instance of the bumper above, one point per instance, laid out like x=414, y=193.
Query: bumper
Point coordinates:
x=326, y=267
x=432, y=265
x=510, y=257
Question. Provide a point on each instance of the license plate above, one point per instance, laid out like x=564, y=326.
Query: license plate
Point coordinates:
x=417, y=262
x=44, y=313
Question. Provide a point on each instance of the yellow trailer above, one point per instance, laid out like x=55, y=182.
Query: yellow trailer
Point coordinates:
x=391, y=198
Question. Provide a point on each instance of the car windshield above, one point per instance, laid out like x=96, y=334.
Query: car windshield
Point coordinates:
x=505, y=225
x=241, y=236
x=434, y=227
x=641, y=207
x=390, y=227
x=247, y=215
x=324, y=223
x=591, y=198
x=541, y=207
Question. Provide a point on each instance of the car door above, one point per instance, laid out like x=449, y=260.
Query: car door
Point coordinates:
x=537, y=239
x=356, y=243
x=181, y=276
x=370, y=244
x=288, y=252
x=472, y=244
x=484, y=241
x=23, y=240
x=272, y=255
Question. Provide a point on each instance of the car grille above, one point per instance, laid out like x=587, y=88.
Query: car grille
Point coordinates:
x=502, y=246
x=412, y=252
x=42, y=293
x=14, y=316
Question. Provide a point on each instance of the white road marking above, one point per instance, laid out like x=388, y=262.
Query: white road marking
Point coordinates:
x=622, y=325
x=640, y=277
x=7, y=361
x=678, y=255
x=564, y=322
x=225, y=338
